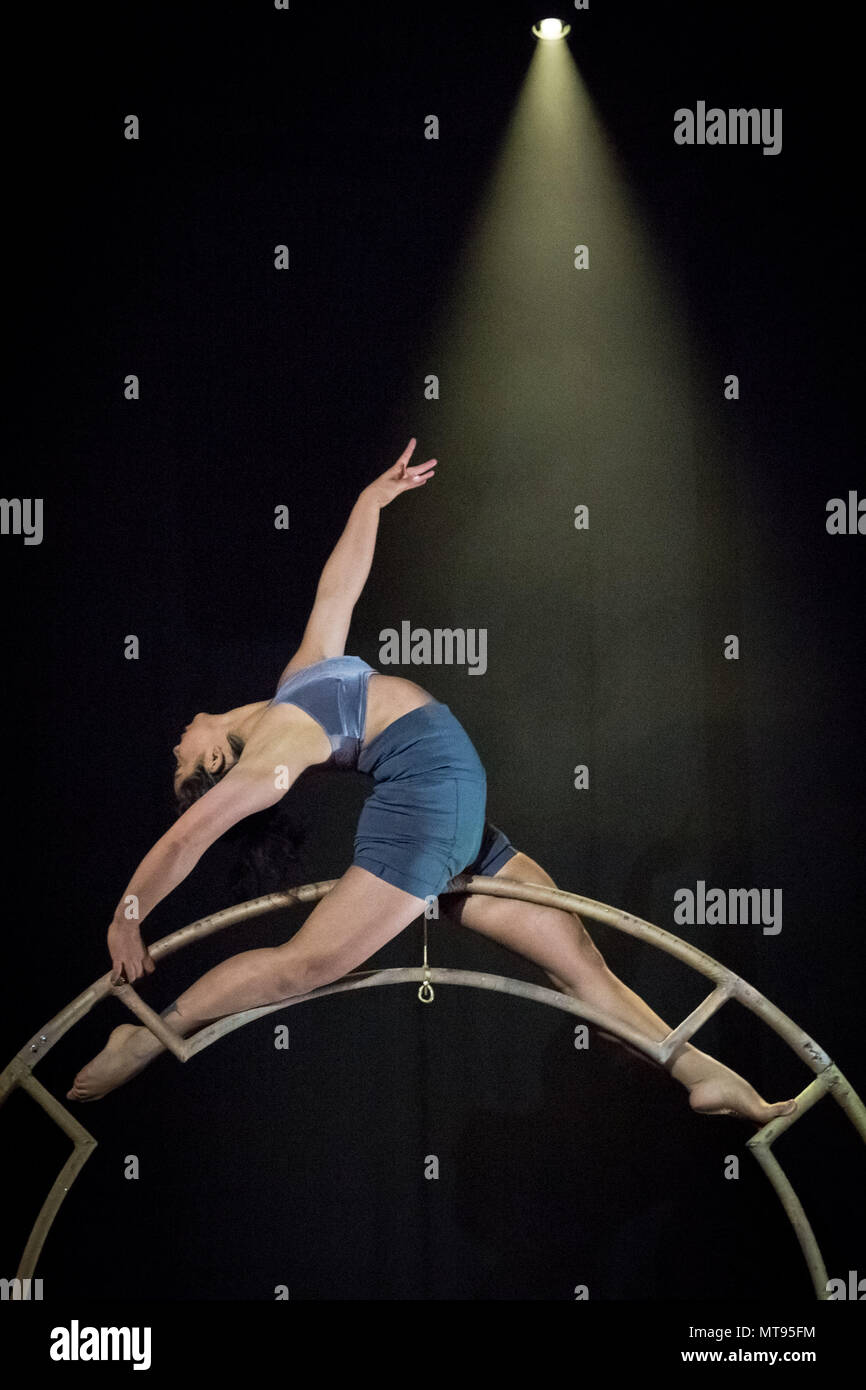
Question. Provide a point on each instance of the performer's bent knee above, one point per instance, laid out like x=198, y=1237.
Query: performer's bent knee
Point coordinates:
x=299, y=974
x=288, y=975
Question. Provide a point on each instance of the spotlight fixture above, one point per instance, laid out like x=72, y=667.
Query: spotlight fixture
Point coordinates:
x=551, y=29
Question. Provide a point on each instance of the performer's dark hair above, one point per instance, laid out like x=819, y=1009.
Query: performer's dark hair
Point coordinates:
x=268, y=843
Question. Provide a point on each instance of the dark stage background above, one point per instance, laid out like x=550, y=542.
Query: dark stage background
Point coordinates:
x=305, y=1168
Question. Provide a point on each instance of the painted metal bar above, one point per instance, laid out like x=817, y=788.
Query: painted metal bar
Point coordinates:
x=83, y=1146
x=57, y=1111
x=474, y=979
x=695, y=1020
x=169, y=1039
x=844, y=1094
x=770, y=1132
x=794, y=1211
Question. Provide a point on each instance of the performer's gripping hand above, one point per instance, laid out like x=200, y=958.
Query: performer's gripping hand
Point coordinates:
x=402, y=477
x=130, y=958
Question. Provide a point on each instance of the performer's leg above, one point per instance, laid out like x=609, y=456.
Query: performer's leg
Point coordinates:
x=557, y=940
x=359, y=915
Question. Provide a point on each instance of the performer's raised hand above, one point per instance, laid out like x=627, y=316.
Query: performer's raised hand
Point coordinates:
x=402, y=477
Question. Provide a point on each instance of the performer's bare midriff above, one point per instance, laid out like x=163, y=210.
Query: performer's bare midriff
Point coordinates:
x=388, y=699
x=225, y=768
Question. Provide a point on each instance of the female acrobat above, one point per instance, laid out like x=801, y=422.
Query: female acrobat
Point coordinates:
x=423, y=822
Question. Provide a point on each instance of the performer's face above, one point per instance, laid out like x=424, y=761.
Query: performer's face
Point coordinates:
x=202, y=742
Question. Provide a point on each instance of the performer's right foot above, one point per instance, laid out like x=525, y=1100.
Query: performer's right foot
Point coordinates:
x=127, y=1052
x=726, y=1093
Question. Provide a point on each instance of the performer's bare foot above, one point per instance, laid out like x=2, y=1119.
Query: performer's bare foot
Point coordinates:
x=724, y=1092
x=127, y=1052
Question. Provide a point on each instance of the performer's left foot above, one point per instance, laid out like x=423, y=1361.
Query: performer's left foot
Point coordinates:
x=726, y=1093
x=127, y=1052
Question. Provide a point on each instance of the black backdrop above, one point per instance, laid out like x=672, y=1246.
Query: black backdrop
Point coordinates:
x=305, y=1168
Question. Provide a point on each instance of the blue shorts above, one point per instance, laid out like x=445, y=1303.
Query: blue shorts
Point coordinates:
x=496, y=850
x=424, y=820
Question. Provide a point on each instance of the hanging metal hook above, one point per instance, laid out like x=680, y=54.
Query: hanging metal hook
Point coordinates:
x=425, y=990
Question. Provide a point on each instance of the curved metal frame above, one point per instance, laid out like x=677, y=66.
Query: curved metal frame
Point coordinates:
x=828, y=1077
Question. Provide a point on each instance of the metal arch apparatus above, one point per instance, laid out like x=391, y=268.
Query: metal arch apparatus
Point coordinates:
x=827, y=1078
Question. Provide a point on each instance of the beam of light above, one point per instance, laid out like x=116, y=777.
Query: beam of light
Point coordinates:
x=556, y=380
x=561, y=387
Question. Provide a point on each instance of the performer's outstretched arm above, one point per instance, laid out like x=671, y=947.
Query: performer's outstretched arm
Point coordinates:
x=244, y=790
x=345, y=574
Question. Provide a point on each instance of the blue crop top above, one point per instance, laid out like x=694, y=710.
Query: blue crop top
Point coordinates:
x=334, y=693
